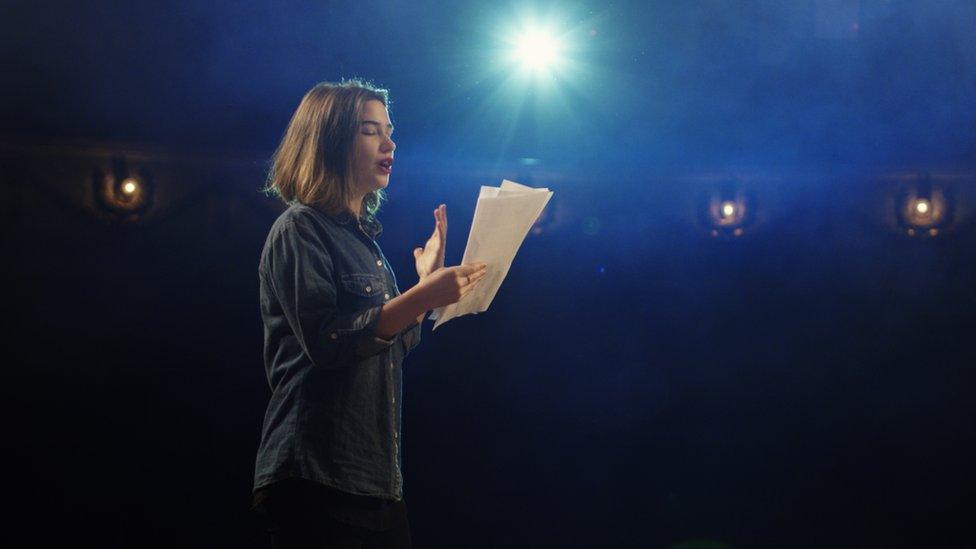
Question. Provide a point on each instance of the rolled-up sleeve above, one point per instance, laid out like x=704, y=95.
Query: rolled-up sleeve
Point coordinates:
x=409, y=338
x=303, y=278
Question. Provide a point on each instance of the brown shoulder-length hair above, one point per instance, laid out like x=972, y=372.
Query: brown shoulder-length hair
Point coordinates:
x=312, y=163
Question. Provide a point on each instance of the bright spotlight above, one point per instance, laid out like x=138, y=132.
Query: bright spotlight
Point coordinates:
x=728, y=209
x=727, y=213
x=924, y=209
x=129, y=186
x=924, y=212
x=537, y=50
x=922, y=206
x=126, y=195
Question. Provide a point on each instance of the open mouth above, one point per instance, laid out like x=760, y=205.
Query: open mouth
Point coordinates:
x=385, y=165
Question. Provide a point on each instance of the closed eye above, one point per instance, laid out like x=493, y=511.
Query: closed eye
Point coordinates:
x=372, y=127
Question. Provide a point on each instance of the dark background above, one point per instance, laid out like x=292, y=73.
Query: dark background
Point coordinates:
x=636, y=383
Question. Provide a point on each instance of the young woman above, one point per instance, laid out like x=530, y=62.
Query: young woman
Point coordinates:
x=336, y=328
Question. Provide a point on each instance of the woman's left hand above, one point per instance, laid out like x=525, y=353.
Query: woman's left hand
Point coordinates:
x=431, y=256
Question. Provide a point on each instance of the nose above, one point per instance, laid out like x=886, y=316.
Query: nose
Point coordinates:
x=388, y=144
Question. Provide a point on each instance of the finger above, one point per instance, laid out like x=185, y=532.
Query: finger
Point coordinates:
x=442, y=227
x=417, y=252
x=469, y=288
x=476, y=276
x=471, y=268
x=467, y=280
x=437, y=223
x=466, y=287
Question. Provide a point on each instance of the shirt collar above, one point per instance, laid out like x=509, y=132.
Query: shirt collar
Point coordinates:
x=345, y=217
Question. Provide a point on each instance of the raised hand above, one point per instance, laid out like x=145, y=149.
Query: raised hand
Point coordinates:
x=431, y=257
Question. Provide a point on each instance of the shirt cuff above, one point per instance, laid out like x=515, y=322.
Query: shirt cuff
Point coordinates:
x=369, y=344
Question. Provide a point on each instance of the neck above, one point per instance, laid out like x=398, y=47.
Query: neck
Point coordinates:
x=356, y=204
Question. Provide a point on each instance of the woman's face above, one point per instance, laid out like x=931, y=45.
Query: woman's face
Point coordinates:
x=373, y=150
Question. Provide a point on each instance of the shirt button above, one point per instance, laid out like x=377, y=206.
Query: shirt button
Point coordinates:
x=386, y=296
x=379, y=262
x=369, y=289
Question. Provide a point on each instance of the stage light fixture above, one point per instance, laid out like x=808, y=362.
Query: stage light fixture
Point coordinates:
x=922, y=206
x=727, y=212
x=130, y=186
x=537, y=49
x=125, y=195
x=924, y=209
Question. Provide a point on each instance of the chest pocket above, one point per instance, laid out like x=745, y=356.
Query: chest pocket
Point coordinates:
x=363, y=289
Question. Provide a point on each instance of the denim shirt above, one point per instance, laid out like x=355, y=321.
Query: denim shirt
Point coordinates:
x=335, y=407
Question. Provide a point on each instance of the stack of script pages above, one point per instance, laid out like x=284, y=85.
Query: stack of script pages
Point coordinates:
x=502, y=218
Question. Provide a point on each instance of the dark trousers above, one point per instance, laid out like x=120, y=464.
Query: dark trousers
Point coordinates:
x=300, y=515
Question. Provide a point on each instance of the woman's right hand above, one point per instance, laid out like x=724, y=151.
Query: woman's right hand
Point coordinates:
x=449, y=284
x=442, y=287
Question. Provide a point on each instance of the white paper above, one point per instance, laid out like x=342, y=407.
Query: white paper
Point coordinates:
x=502, y=219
